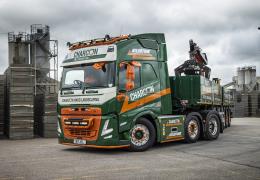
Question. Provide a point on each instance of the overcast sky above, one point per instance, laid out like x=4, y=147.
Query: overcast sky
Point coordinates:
x=226, y=30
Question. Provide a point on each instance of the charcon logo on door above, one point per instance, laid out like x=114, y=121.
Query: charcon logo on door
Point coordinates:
x=141, y=93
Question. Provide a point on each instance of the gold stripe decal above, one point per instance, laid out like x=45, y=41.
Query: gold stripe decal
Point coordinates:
x=126, y=106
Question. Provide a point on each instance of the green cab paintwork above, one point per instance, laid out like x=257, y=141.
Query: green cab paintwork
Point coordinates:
x=154, y=47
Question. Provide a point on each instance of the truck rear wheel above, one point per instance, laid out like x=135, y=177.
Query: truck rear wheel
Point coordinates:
x=212, y=127
x=142, y=135
x=192, y=129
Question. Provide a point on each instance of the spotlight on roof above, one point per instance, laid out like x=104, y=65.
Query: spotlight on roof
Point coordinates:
x=107, y=37
x=68, y=44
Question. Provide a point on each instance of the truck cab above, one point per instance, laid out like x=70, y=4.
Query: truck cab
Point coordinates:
x=116, y=92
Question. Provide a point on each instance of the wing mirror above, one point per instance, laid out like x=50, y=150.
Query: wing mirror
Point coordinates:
x=129, y=85
x=121, y=95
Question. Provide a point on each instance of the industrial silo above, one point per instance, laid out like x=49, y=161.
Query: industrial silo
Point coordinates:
x=30, y=106
x=240, y=76
x=43, y=54
x=250, y=75
x=40, y=37
x=19, y=84
x=18, y=46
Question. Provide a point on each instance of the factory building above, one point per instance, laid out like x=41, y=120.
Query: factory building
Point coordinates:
x=28, y=93
x=246, y=90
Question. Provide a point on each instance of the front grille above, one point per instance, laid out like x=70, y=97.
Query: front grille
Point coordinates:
x=82, y=127
x=80, y=132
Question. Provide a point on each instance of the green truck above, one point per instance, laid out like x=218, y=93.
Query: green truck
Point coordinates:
x=116, y=92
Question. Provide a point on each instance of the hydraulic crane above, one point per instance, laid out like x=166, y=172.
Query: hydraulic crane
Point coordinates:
x=196, y=65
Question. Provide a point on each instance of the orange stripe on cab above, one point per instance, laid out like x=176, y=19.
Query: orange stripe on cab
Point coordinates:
x=126, y=106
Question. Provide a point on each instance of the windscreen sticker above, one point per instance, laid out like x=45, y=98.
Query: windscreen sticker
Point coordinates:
x=141, y=53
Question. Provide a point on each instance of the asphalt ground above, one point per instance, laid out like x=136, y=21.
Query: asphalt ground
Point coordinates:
x=235, y=155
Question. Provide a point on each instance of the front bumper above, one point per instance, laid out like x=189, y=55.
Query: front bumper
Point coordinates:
x=107, y=134
x=96, y=146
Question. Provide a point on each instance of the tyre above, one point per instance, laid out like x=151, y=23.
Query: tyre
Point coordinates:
x=212, y=126
x=192, y=129
x=142, y=135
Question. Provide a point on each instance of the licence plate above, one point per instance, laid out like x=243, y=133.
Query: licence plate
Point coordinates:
x=79, y=141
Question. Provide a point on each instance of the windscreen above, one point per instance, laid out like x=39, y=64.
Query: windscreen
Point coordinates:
x=95, y=75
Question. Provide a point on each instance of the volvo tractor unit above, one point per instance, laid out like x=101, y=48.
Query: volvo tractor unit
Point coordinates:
x=116, y=92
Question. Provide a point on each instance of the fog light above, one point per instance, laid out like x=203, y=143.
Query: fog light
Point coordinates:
x=75, y=123
x=67, y=122
x=84, y=123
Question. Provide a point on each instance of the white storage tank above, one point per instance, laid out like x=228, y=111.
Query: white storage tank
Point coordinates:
x=250, y=75
x=240, y=76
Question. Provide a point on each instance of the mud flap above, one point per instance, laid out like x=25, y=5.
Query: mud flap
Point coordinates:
x=222, y=121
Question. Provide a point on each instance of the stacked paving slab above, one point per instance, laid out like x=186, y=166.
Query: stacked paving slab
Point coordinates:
x=45, y=111
x=38, y=113
x=247, y=104
x=241, y=105
x=19, y=101
x=49, y=121
x=2, y=105
x=254, y=109
x=45, y=115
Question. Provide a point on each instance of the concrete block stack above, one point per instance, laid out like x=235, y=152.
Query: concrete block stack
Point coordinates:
x=20, y=101
x=240, y=105
x=49, y=120
x=2, y=105
x=38, y=113
x=247, y=104
x=255, y=103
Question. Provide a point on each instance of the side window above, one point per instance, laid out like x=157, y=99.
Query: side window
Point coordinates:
x=137, y=80
x=148, y=73
x=123, y=77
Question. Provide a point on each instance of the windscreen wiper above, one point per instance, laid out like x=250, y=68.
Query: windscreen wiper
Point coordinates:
x=78, y=84
x=84, y=86
x=66, y=88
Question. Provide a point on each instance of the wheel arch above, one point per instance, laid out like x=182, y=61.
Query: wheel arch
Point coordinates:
x=152, y=117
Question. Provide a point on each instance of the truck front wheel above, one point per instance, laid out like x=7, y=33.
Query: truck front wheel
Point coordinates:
x=192, y=129
x=142, y=135
x=212, y=127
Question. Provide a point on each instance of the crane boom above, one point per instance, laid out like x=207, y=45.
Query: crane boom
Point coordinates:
x=196, y=65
